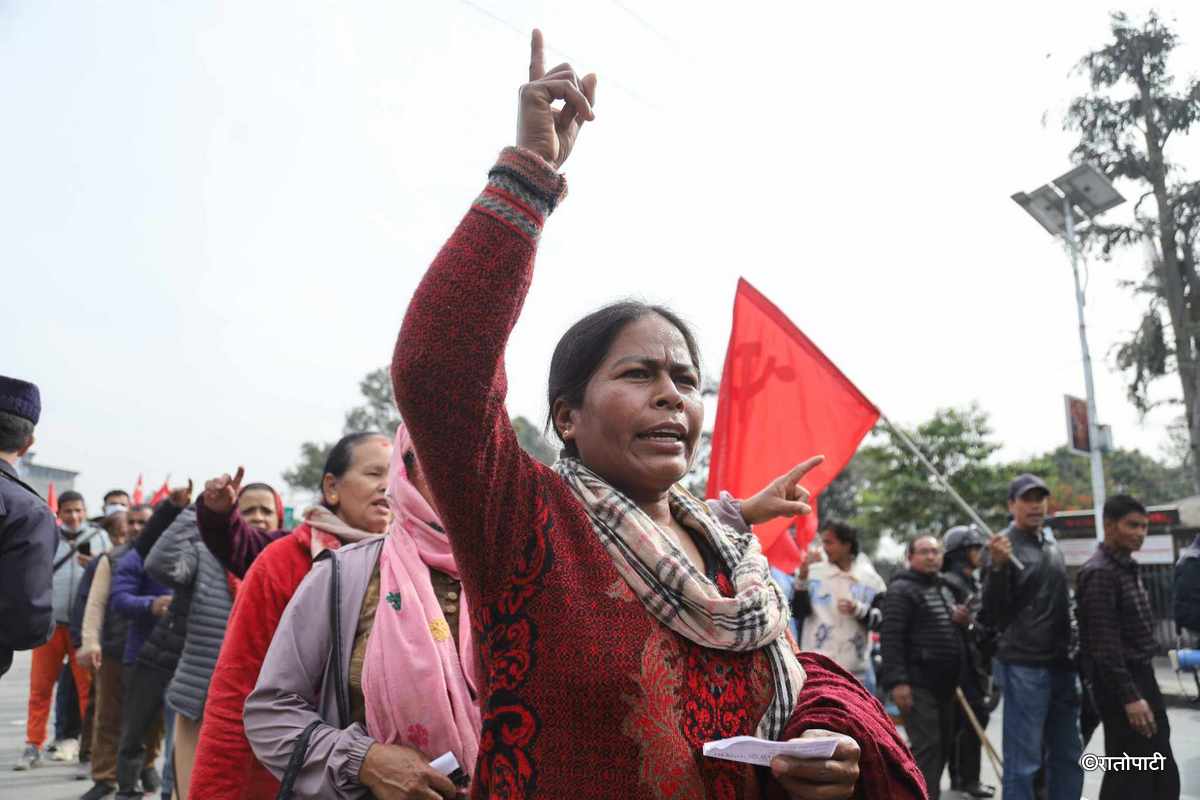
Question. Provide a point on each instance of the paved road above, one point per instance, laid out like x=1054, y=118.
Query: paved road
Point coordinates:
x=58, y=782
x=54, y=781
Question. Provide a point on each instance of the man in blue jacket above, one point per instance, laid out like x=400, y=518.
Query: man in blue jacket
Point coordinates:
x=27, y=531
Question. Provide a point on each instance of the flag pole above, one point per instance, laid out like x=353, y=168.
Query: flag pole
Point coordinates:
x=945, y=484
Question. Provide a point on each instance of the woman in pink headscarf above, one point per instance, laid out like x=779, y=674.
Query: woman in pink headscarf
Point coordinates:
x=370, y=674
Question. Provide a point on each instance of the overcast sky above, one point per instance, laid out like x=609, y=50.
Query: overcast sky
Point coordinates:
x=212, y=215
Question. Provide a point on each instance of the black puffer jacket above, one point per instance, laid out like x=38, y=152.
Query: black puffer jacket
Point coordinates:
x=1031, y=607
x=920, y=644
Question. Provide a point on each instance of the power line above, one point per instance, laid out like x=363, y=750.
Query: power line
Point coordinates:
x=524, y=32
x=640, y=20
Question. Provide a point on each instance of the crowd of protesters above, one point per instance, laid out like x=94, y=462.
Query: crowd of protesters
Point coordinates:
x=586, y=625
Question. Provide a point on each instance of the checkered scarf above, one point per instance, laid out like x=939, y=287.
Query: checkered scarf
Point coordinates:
x=682, y=597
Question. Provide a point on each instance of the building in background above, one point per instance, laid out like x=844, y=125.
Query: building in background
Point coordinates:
x=39, y=476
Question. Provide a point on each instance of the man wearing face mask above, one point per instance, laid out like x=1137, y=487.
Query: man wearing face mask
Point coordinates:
x=78, y=544
x=1031, y=607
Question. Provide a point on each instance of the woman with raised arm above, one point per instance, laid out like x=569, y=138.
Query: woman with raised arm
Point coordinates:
x=620, y=625
x=353, y=508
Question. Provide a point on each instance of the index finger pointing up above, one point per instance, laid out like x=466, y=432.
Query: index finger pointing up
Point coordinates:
x=537, y=60
x=237, y=479
x=803, y=468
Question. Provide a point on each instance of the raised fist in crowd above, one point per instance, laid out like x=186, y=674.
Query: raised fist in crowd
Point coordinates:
x=220, y=494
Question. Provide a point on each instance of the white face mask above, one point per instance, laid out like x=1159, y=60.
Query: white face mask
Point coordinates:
x=72, y=528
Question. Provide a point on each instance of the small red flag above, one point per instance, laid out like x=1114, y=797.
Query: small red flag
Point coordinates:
x=52, y=498
x=781, y=401
x=161, y=492
x=137, y=491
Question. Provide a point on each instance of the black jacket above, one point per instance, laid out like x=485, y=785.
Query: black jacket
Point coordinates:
x=28, y=539
x=919, y=641
x=116, y=626
x=164, y=645
x=1187, y=587
x=1031, y=607
x=977, y=638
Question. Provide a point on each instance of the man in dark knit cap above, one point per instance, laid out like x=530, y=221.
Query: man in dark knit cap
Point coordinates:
x=28, y=534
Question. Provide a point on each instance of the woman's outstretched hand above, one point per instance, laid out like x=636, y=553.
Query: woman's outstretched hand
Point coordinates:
x=812, y=778
x=545, y=130
x=782, y=497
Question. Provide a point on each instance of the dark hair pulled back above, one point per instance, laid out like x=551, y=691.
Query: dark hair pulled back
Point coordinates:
x=584, y=346
x=337, y=463
x=846, y=534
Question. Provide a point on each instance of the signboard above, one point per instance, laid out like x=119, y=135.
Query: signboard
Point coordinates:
x=1078, y=434
x=1083, y=523
x=1157, y=549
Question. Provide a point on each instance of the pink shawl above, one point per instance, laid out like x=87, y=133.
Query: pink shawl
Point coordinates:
x=417, y=687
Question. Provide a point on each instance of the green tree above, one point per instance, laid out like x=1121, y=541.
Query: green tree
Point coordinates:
x=1125, y=123
x=897, y=495
x=1125, y=472
x=378, y=412
x=533, y=442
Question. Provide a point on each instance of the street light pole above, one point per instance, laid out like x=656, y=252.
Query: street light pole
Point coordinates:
x=1093, y=427
x=1053, y=205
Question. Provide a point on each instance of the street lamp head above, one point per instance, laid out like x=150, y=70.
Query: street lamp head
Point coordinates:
x=1088, y=191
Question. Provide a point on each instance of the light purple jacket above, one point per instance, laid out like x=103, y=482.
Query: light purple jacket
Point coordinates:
x=300, y=684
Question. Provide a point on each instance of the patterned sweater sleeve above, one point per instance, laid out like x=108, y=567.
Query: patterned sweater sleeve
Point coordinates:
x=448, y=367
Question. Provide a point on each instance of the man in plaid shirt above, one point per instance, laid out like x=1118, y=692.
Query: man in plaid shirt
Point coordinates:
x=1117, y=642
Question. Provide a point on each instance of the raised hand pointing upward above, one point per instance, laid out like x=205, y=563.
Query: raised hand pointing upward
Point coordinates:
x=542, y=128
x=221, y=493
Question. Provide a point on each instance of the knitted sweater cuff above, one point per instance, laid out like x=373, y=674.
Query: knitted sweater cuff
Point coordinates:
x=521, y=192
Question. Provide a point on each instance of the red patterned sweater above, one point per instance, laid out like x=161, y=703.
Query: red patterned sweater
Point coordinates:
x=583, y=693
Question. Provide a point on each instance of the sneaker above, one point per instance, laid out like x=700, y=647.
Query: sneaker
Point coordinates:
x=32, y=757
x=67, y=751
x=99, y=790
x=151, y=782
x=980, y=790
x=84, y=772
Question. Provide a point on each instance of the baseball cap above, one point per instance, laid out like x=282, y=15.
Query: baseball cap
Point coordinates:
x=1025, y=482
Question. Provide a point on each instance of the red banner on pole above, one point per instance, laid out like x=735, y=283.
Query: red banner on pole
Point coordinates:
x=52, y=498
x=781, y=401
x=137, y=491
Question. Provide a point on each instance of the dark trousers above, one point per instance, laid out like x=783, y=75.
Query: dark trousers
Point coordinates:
x=143, y=713
x=1121, y=739
x=66, y=706
x=930, y=727
x=965, y=760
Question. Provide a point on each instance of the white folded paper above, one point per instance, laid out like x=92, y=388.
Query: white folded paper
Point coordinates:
x=752, y=750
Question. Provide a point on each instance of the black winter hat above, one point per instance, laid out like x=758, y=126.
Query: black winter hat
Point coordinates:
x=20, y=398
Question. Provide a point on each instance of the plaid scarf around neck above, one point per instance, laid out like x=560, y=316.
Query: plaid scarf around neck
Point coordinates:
x=681, y=597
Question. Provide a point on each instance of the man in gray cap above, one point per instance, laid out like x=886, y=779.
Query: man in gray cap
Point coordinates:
x=1031, y=607
x=28, y=534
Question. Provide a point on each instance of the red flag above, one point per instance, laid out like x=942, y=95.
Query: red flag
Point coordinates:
x=781, y=401
x=161, y=492
x=137, y=491
x=52, y=498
